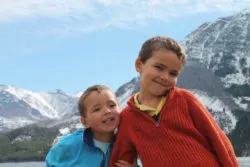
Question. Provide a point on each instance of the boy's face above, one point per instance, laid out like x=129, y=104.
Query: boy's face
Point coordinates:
x=102, y=112
x=159, y=73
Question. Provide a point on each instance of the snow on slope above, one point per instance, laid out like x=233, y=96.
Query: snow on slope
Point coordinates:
x=13, y=123
x=34, y=100
x=221, y=111
x=61, y=103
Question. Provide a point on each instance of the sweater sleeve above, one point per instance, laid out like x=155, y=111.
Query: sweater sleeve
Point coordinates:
x=207, y=126
x=123, y=147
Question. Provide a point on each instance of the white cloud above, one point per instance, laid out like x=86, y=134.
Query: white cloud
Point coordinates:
x=33, y=9
x=89, y=15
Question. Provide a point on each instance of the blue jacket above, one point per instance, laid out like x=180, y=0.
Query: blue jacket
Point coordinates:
x=77, y=150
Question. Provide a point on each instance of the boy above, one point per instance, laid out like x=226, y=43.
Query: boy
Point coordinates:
x=91, y=147
x=167, y=126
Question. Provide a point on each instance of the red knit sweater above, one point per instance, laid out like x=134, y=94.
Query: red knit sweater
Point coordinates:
x=186, y=135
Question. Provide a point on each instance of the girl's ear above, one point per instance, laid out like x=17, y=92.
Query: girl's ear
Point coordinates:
x=138, y=65
x=84, y=122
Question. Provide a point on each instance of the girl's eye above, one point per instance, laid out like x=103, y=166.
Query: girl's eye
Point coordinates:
x=112, y=105
x=96, y=109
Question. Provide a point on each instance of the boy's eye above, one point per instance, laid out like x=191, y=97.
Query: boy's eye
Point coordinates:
x=174, y=74
x=159, y=68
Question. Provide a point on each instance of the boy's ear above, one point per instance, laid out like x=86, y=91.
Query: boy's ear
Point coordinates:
x=84, y=122
x=138, y=65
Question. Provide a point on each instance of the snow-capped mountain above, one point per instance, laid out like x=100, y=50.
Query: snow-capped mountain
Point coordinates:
x=19, y=107
x=223, y=46
x=60, y=102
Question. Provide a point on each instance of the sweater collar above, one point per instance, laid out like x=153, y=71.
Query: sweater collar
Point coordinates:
x=132, y=104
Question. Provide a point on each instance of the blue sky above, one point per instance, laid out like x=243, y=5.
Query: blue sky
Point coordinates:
x=72, y=44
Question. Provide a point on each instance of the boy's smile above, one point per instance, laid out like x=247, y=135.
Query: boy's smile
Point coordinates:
x=159, y=73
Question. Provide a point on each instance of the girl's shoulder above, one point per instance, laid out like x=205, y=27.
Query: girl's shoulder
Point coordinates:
x=69, y=140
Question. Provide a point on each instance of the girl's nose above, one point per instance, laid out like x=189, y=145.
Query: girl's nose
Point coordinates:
x=107, y=110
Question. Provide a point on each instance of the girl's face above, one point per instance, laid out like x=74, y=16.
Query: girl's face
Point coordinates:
x=102, y=112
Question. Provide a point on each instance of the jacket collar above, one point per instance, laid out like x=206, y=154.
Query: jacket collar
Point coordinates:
x=88, y=138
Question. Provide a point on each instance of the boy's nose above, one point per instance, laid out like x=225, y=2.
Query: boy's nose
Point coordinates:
x=164, y=76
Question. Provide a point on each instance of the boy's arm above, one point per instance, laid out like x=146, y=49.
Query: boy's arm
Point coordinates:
x=207, y=126
x=123, y=147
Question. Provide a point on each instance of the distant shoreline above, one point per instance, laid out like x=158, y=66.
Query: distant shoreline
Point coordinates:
x=21, y=161
x=23, y=164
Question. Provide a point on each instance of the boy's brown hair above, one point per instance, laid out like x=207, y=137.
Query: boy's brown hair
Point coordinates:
x=157, y=43
x=94, y=88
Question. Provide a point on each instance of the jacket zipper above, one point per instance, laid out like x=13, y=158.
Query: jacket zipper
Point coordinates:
x=104, y=157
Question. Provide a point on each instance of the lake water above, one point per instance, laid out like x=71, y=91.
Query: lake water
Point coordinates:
x=244, y=162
